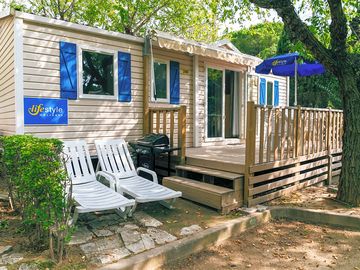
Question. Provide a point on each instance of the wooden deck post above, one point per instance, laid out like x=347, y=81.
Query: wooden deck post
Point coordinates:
x=146, y=92
x=182, y=132
x=249, y=147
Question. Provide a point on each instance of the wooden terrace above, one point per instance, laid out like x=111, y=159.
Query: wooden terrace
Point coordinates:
x=286, y=148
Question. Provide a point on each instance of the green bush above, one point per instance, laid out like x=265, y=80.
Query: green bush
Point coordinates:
x=40, y=189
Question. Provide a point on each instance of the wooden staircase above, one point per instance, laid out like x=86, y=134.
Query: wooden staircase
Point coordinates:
x=207, y=183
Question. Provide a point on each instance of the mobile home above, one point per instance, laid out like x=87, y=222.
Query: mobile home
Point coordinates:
x=69, y=81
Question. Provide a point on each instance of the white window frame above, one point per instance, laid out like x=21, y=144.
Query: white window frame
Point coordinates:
x=222, y=137
x=160, y=100
x=113, y=53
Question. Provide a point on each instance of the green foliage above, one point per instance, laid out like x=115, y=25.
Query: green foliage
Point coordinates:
x=34, y=172
x=319, y=91
x=258, y=40
x=198, y=20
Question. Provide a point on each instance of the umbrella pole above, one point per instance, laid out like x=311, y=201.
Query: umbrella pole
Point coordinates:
x=296, y=68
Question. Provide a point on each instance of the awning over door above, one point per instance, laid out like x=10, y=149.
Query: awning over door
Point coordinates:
x=170, y=42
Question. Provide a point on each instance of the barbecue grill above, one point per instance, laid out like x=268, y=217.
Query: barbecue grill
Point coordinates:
x=151, y=146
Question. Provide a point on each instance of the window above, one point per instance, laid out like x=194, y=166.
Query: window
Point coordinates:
x=98, y=71
x=269, y=93
x=161, y=84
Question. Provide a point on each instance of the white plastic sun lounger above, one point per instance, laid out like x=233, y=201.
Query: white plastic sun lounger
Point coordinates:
x=115, y=160
x=89, y=194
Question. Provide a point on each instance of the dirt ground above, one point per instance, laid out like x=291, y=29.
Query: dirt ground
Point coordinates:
x=281, y=245
x=315, y=198
x=184, y=214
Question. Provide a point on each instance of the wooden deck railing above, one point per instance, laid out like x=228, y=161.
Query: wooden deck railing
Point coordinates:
x=172, y=122
x=290, y=147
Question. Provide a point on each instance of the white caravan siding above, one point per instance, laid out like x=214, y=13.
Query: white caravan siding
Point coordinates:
x=92, y=119
x=89, y=119
x=7, y=77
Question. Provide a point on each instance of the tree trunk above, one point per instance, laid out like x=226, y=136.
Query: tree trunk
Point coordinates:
x=349, y=185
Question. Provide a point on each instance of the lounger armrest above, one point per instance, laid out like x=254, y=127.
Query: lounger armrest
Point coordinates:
x=110, y=178
x=152, y=173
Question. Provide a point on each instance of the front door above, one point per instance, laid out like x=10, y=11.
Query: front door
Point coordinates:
x=223, y=99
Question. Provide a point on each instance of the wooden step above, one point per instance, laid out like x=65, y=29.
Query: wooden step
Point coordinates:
x=217, y=197
x=211, y=172
x=216, y=165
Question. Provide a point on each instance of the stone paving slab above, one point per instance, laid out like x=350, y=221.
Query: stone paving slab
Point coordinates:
x=148, y=241
x=103, y=232
x=145, y=220
x=11, y=258
x=160, y=236
x=112, y=256
x=136, y=247
x=82, y=235
x=126, y=227
x=130, y=236
x=101, y=245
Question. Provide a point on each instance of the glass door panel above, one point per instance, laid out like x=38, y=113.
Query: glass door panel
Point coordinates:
x=215, y=103
x=232, y=100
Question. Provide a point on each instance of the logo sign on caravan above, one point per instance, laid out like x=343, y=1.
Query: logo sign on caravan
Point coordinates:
x=45, y=111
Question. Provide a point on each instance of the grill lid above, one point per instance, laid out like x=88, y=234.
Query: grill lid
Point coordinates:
x=154, y=140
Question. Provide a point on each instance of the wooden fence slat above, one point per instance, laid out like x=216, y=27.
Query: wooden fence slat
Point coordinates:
x=164, y=122
x=283, y=138
x=276, y=135
x=313, y=133
x=157, y=121
x=308, y=133
x=288, y=134
x=268, y=140
x=298, y=130
x=151, y=120
x=261, y=142
x=172, y=127
x=321, y=131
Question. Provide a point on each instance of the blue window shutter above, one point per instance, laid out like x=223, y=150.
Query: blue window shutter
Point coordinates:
x=262, y=99
x=68, y=70
x=124, y=73
x=276, y=93
x=174, y=82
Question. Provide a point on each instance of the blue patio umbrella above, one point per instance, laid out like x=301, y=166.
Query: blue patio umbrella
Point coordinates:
x=287, y=65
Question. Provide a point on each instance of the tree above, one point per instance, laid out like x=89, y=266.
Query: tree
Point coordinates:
x=258, y=40
x=342, y=62
x=199, y=20
x=319, y=91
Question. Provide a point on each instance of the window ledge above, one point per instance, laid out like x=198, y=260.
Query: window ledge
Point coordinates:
x=99, y=97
